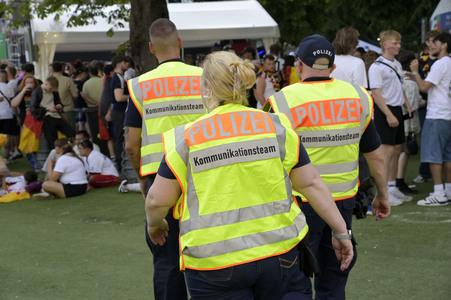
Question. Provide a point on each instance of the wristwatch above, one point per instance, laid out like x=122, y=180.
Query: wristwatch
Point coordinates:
x=343, y=236
x=414, y=73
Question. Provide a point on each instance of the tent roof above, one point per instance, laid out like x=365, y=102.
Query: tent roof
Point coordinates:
x=199, y=24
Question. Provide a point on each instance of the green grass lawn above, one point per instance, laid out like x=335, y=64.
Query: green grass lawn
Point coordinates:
x=93, y=247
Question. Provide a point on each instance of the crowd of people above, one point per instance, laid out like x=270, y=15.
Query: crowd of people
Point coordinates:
x=82, y=102
x=251, y=168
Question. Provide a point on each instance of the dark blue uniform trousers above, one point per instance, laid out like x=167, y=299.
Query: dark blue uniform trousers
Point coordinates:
x=332, y=282
x=168, y=280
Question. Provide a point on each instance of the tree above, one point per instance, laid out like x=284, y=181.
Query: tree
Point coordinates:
x=298, y=19
x=140, y=14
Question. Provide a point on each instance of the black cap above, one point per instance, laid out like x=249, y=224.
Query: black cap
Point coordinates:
x=313, y=47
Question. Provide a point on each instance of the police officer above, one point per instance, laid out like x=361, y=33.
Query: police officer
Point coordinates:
x=333, y=120
x=239, y=224
x=161, y=99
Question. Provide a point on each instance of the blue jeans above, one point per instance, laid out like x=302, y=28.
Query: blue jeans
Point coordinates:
x=436, y=141
x=262, y=279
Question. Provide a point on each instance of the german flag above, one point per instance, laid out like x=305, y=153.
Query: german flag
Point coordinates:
x=29, y=136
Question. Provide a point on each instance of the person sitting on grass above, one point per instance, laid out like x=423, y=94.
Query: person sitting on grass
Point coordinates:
x=100, y=169
x=29, y=182
x=67, y=177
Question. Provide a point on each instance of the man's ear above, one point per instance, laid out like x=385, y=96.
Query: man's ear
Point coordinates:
x=299, y=68
x=180, y=42
x=151, y=48
x=334, y=66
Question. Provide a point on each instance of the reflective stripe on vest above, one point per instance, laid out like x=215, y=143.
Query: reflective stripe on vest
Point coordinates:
x=325, y=124
x=164, y=102
x=242, y=241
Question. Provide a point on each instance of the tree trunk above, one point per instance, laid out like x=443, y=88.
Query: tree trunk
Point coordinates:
x=142, y=14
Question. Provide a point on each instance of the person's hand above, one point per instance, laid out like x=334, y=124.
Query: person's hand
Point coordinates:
x=380, y=207
x=422, y=103
x=52, y=109
x=59, y=107
x=108, y=116
x=392, y=120
x=344, y=251
x=159, y=233
x=414, y=65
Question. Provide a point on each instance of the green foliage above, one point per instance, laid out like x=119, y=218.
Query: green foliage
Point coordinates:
x=298, y=19
x=84, y=14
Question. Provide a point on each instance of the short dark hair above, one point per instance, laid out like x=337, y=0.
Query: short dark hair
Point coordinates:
x=30, y=176
x=108, y=69
x=117, y=59
x=405, y=57
x=84, y=133
x=58, y=66
x=28, y=68
x=86, y=143
x=268, y=56
x=275, y=48
x=93, y=70
x=444, y=37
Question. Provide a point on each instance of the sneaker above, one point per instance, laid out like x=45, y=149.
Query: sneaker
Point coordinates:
x=89, y=187
x=419, y=179
x=393, y=200
x=405, y=189
x=433, y=200
x=42, y=196
x=370, y=211
x=122, y=186
x=398, y=194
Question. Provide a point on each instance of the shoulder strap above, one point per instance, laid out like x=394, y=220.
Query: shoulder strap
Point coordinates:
x=397, y=74
x=6, y=98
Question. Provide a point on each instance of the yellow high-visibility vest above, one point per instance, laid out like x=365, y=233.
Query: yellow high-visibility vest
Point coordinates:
x=233, y=167
x=330, y=117
x=165, y=97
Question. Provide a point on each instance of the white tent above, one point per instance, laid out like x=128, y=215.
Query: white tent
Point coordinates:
x=441, y=17
x=199, y=25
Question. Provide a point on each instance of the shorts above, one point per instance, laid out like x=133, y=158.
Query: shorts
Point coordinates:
x=436, y=141
x=72, y=190
x=389, y=135
x=80, y=115
x=9, y=126
x=100, y=180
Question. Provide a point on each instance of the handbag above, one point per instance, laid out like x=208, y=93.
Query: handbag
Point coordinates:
x=411, y=140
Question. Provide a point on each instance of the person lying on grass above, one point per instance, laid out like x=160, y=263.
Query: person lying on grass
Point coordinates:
x=67, y=177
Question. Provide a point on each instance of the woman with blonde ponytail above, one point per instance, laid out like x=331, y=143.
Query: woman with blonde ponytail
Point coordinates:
x=229, y=177
x=66, y=177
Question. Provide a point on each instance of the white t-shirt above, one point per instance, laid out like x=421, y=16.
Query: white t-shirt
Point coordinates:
x=97, y=163
x=72, y=170
x=384, y=78
x=350, y=69
x=280, y=62
x=439, y=95
x=6, y=112
x=269, y=89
